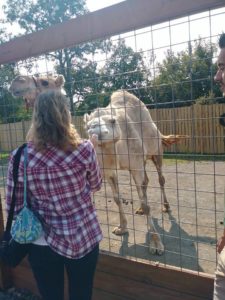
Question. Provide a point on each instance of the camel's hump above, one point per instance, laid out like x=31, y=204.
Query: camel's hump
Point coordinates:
x=123, y=98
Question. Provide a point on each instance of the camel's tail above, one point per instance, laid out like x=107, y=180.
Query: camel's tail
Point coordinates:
x=171, y=139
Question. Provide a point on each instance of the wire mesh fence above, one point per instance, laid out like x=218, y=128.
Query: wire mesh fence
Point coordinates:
x=170, y=68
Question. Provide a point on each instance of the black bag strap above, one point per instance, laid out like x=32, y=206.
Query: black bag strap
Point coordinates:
x=15, y=179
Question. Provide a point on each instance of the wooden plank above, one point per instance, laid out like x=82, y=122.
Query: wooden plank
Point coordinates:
x=167, y=277
x=119, y=279
x=221, y=129
x=179, y=127
x=197, y=130
x=187, y=128
x=192, y=134
x=199, y=107
x=214, y=137
x=22, y=277
x=134, y=289
x=99, y=294
x=217, y=130
x=201, y=136
x=5, y=272
x=129, y=15
x=207, y=121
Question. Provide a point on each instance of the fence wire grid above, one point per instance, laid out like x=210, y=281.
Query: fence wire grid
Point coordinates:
x=170, y=68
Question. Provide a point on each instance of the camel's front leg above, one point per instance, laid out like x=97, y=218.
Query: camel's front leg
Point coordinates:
x=156, y=246
x=122, y=227
x=141, y=181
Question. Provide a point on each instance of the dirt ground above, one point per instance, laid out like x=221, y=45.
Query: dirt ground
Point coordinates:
x=195, y=191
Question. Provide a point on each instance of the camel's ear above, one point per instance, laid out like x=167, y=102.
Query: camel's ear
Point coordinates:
x=86, y=118
x=59, y=81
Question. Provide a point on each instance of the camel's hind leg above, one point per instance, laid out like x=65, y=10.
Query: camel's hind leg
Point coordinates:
x=113, y=182
x=157, y=160
x=141, y=180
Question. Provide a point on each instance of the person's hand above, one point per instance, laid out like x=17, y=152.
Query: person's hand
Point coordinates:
x=94, y=140
x=221, y=244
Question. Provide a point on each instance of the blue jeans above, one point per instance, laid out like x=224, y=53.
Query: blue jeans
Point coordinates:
x=48, y=270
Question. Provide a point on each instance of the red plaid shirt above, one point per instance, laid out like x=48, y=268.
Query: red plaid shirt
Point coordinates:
x=59, y=186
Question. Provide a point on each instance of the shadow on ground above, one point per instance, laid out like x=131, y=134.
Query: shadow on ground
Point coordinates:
x=181, y=249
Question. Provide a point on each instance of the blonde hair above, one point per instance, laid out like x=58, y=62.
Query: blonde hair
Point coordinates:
x=51, y=122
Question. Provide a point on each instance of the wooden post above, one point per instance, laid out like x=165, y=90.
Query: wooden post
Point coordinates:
x=5, y=271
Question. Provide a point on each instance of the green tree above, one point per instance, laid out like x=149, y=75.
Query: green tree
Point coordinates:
x=124, y=69
x=186, y=76
x=88, y=87
x=9, y=106
x=11, y=109
x=41, y=14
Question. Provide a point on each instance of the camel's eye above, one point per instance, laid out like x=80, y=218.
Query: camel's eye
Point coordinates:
x=44, y=82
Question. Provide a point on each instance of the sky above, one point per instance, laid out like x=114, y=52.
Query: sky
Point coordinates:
x=98, y=4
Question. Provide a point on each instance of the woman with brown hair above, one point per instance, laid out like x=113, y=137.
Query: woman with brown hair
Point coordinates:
x=62, y=172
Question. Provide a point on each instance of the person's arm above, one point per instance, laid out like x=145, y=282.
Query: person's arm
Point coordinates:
x=221, y=242
x=94, y=176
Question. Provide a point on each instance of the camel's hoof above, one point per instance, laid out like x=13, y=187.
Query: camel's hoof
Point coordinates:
x=158, y=250
x=119, y=230
x=166, y=209
x=139, y=211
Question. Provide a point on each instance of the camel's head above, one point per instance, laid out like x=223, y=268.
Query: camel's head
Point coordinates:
x=29, y=87
x=106, y=127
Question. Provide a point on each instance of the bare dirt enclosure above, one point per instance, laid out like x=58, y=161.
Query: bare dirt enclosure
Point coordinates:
x=195, y=191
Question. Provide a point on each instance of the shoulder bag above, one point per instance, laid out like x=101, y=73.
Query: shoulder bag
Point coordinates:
x=13, y=252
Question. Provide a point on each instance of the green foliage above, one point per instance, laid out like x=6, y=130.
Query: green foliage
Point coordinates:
x=9, y=106
x=180, y=78
x=184, y=77
x=90, y=102
x=36, y=15
x=207, y=99
x=11, y=109
x=124, y=69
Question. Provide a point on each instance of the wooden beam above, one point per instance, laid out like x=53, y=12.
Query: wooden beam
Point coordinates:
x=5, y=272
x=119, y=18
x=192, y=283
x=117, y=278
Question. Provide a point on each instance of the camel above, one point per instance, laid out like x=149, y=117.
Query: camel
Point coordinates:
x=127, y=138
x=29, y=87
